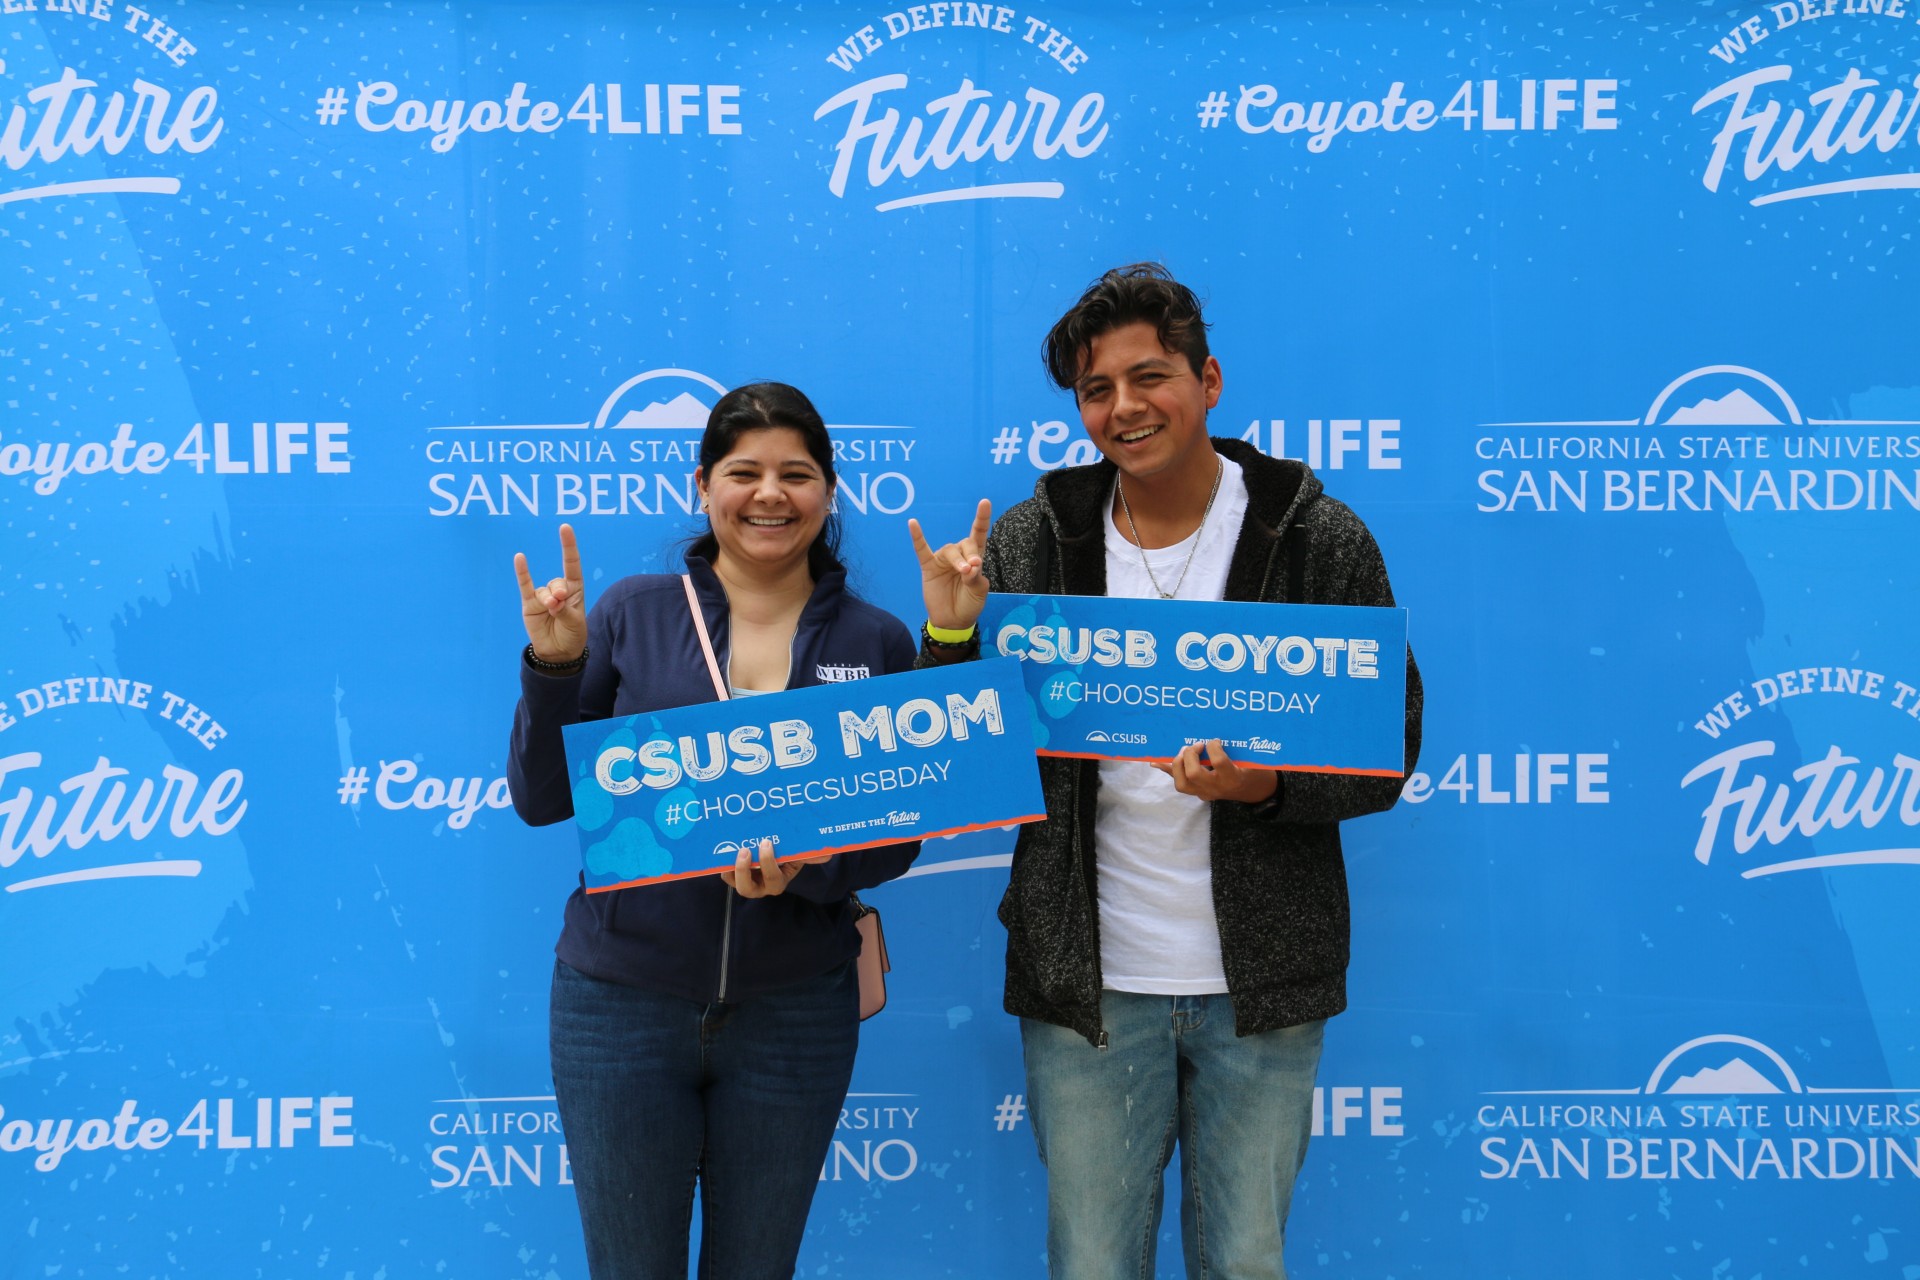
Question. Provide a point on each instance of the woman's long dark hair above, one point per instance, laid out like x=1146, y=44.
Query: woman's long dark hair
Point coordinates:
x=759, y=406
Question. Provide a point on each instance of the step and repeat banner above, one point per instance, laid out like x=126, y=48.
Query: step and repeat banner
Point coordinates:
x=314, y=314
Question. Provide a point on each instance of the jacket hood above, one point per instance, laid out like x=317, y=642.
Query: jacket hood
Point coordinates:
x=1278, y=490
x=1279, y=493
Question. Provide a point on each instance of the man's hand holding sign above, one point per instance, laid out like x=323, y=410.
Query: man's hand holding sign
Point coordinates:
x=1215, y=693
x=1212, y=776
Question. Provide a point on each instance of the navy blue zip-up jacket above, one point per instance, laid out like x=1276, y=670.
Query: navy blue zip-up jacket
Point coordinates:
x=696, y=938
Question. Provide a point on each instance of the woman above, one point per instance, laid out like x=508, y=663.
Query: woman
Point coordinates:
x=705, y=1028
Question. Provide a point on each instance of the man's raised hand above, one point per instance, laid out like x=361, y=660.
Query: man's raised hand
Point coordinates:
x=951, y=578
x=555, y=614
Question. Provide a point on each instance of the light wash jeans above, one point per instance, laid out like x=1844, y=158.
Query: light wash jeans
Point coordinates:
x=1107, y=1121
x=656, y=1091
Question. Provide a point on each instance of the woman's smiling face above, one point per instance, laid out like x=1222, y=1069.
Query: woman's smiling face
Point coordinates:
x=767, y=498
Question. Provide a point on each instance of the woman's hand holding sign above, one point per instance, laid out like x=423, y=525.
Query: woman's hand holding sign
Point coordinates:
x=951, y=578
x=1218, y=778
x=556, y=614
x=769, y=879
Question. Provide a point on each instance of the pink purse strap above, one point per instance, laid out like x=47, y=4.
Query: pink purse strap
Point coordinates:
x=706, y=641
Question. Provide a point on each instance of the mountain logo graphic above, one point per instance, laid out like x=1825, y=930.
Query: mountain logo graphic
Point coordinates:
x=1718, y=1066
x=1723, y=395
x=681, y=413
x=1737, y=1076
x=1734, y=409
x=661, y=407
x=728, y=850
x=656, y=400
x=1712, y=396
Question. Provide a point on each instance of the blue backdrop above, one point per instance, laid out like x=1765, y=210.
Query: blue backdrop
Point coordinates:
x=314, y=314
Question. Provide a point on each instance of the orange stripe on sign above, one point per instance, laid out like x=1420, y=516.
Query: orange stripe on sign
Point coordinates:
x=1244, y=764
x=814, y=853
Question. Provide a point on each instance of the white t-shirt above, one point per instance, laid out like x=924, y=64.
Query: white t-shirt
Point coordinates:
x=1158, y=934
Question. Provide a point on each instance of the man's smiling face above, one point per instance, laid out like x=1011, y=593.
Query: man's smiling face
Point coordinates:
x=1142, y=405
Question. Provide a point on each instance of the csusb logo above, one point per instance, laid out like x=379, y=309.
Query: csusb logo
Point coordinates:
x=511, y=1141
x=1785, y=134
x=1719, y=1108
x=516, y=1141
x=73, y=115
x=1719, y=438
x=636, y=456
x=910, y=134
x=1120, y=737
x=728, y=850
x=1847, y=805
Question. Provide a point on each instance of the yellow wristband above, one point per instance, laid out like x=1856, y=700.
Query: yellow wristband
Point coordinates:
x=943, y=635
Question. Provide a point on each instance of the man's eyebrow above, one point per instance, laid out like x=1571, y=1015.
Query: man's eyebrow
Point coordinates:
x=1151, y=362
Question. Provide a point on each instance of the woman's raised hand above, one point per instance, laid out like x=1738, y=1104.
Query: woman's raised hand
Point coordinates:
x=556, y=614
x=951, y=578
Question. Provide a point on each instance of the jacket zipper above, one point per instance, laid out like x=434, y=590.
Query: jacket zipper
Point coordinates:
x=726, y=947
x=1266, y=575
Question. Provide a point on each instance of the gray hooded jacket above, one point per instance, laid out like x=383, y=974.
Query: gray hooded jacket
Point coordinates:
x=1279, y=883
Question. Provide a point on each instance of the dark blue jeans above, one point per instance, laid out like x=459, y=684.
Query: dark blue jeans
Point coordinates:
x=656, y=1092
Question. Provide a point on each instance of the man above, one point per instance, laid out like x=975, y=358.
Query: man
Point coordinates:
x=1176, y=935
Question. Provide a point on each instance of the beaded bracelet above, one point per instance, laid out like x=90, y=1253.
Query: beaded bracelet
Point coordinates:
x=541, y=665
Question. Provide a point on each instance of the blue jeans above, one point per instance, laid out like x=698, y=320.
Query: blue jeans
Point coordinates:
x=1107, y=1121
x=656, y=1092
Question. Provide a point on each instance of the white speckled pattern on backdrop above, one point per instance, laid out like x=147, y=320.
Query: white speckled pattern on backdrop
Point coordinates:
x=1607, y=346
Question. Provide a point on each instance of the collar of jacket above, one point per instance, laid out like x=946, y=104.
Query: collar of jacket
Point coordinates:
x=1278, y=490
x=828, y=591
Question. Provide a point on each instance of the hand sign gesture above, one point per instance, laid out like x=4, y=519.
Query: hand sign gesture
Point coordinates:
x=556, y=614
x=951, y=579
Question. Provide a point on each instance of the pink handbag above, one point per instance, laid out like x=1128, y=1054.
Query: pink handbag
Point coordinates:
x=873, y=964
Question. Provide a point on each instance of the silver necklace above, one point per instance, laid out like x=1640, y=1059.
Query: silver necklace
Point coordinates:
x=1212, y=493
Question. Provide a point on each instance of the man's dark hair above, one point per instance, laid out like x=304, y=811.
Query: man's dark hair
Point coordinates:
x=1139, y=291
